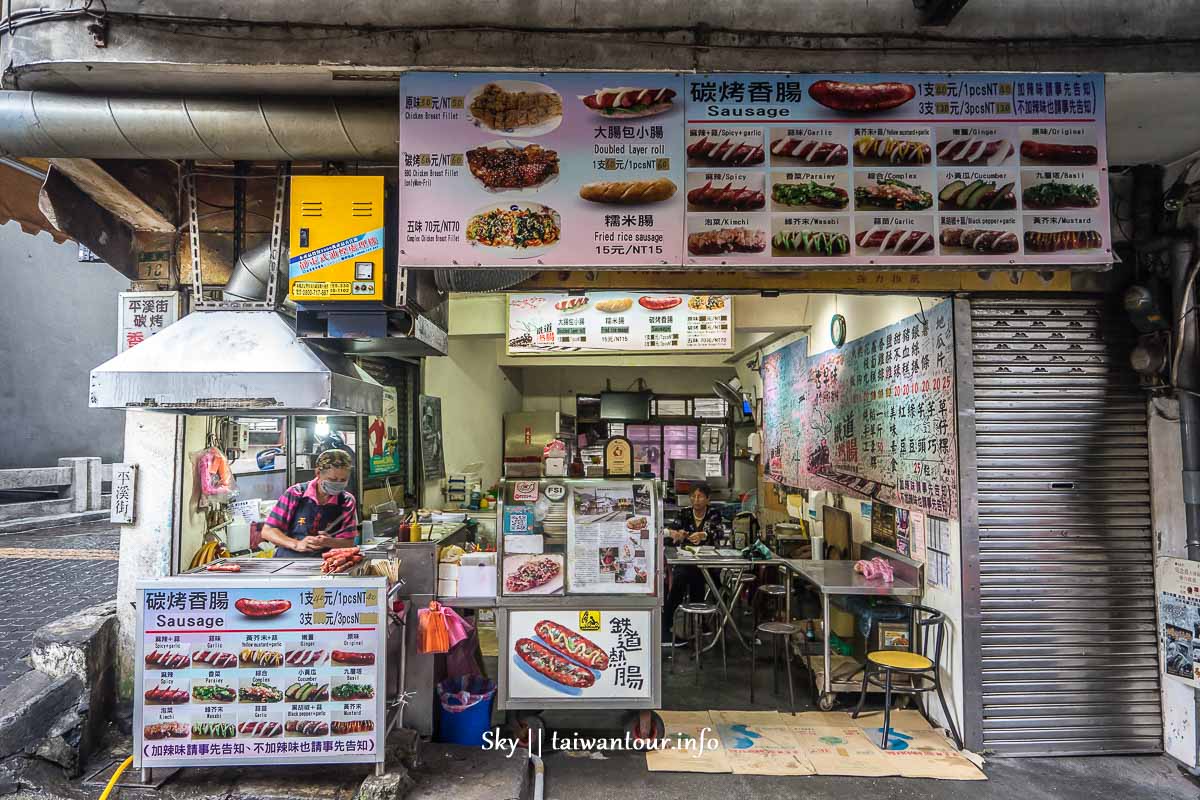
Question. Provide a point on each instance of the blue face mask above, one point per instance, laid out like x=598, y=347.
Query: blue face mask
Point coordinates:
x=334, y=487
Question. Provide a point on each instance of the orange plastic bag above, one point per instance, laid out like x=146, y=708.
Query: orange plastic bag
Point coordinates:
x=433, y=634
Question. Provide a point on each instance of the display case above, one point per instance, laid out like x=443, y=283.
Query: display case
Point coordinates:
x=579, y=601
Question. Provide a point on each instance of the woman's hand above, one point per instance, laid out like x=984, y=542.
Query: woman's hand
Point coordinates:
x=676, y=536
x=696, y=538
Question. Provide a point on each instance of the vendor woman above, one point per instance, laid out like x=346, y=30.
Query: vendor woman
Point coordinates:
x=699, y=525
x=316, y=515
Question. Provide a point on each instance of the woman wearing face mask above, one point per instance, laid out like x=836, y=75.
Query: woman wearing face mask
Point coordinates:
x=316, y=515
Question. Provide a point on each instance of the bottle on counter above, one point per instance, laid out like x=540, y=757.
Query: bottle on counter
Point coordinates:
x=475, y=495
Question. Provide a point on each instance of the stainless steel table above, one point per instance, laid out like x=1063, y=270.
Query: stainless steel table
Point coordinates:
x=832, y=578
x=740, y=565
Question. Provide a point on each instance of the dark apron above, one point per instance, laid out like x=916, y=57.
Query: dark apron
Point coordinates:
x=309, y=511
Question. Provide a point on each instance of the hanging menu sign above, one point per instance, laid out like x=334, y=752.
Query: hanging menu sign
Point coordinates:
x=541, y=168
x=235, y=670
x=630, y=322
x=896, y=169
x=873, y=418
x=611, y=170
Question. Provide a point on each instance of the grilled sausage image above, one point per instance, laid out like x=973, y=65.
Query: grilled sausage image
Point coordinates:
x=215, y=658
x=262, y=608
x=552, y=665
x=164, y=660
x=310, y=727
x=725, y=152
x=341, y=727
x=659, y=303
x=1066, y=154
x=1050, y=242
x=859, y=97
x=164, y=695
x=304, y=658
x=811, y=150
x=354, y=659
x=260, y=730
x=166, y=730
x=572, y=645
x=726, y=198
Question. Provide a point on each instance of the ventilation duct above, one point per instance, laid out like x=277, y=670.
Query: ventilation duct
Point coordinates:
x=479, y=279
x=54, y=125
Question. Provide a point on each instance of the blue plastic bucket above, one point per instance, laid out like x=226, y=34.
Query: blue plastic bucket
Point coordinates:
x=465, y=710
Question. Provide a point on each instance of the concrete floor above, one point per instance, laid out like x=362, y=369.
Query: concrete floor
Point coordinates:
x=1098, y=778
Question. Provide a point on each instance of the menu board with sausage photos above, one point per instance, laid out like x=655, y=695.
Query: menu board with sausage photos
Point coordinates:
x=896, y=170
x=616, y=322
x=242, y=671
x=569, y=168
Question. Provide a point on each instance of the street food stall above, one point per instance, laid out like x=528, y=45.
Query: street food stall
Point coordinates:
x=579, y=607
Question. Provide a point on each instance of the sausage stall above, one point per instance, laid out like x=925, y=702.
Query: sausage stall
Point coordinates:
x=578, y=622
x=274, y=664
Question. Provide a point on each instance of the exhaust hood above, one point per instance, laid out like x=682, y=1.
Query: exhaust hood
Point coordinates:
x=248, y=362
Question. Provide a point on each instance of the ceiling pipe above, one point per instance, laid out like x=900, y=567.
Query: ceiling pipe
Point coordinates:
x=54, y=125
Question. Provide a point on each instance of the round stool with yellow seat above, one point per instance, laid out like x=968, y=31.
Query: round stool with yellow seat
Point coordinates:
x=920, y=669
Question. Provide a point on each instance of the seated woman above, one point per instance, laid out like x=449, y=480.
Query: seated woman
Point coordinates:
x=699, y=525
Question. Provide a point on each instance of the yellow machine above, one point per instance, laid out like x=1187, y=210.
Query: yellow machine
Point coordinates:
x=337, y=236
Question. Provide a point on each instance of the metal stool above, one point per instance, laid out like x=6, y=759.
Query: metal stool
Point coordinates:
x=693, y=622
x=741, y=591
x=771, y=593
x=782, y=633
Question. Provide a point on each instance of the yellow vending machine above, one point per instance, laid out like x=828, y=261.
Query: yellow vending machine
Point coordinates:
x=337, y=239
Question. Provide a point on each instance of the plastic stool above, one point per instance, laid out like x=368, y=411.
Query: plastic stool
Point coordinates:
x=781, y=632
x=694, y=615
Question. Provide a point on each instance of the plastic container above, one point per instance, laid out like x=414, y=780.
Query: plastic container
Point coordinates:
x=465, y=709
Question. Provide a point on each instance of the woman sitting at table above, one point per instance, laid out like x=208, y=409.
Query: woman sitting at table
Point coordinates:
x=699, y=525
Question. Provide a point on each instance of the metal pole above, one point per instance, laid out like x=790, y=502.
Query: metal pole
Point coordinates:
x=1183, y=255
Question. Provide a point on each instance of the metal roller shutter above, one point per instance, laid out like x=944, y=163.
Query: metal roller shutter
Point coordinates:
x=1069, y=663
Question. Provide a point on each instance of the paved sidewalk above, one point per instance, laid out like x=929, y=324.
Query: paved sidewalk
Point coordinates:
x=47, y=574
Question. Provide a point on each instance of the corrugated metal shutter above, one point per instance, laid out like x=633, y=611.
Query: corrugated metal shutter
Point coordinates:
x=1067, y=625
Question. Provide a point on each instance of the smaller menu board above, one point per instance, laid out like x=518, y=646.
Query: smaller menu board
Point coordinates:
x=237, y=671
x=626, y=322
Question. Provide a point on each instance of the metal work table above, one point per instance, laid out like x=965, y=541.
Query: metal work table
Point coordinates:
x=740, y=565
x=832, y=578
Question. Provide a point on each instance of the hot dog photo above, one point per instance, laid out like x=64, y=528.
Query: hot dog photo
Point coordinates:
x=550, y=656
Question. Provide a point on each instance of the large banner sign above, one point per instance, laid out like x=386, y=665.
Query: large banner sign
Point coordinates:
x=753, y=170
x=873, y=418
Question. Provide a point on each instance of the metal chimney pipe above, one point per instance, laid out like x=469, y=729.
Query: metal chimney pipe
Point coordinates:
x=1183, y=262
x=53, y=125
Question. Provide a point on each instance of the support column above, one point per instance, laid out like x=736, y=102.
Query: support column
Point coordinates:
x=153, y=441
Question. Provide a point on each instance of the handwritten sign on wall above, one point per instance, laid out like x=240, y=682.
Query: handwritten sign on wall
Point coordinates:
x=873, y=418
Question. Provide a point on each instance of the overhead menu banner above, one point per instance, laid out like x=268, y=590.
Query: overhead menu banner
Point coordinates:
x=628, y=322
x=541, y=168
x=755, y=170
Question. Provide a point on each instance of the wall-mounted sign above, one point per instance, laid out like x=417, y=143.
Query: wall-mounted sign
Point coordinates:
x=1178, y=582
x=899, y=170
x=140, y=315
x=124, y=494
x=618, y=322
x=433, y=458
x=383, y=436
x=874, y=418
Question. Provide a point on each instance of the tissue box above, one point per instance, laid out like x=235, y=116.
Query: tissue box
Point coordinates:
x=477, y=575
x=447, y=588
x=448, y=572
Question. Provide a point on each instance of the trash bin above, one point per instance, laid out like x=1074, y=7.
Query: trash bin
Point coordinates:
x=466, y=709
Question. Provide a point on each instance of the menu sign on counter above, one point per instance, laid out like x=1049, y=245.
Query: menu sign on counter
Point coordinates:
x=611, y=539
x=896, y=170
x=609, y=322
x=541, y=168
x=252, y=671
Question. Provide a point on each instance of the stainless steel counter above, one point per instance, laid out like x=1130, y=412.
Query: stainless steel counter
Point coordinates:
x=839, y=578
